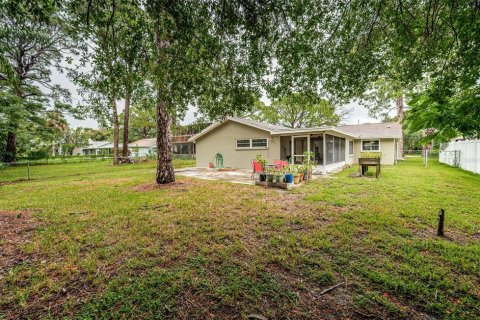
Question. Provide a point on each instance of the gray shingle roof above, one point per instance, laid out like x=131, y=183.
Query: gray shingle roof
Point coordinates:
x=261, y=125
x=144, y=143
x=374, y=130
x=361, y=131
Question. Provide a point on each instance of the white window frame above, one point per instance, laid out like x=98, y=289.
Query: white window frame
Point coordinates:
x=379, y=145
x=353, y=148
x=250, y=147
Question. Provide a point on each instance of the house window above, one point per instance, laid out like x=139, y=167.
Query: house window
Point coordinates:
x=350, y=148
x=243, y=144
x=257, y=143
x=370, y=145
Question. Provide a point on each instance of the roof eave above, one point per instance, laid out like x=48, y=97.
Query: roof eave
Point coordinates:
x=313, y=130
x=218, y=123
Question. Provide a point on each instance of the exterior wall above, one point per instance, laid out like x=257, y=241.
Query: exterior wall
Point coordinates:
x=223, y=140
x=349, y=159
x=387, y=148
x=142, y=151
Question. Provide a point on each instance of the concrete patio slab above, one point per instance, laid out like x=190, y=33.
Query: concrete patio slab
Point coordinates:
x=241, y=176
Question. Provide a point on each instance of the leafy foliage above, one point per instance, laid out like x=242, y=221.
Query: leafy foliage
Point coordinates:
x=297, y=111
x=32, y=42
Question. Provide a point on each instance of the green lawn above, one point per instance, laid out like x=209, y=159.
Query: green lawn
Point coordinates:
x=111, y=245
x=19, y=171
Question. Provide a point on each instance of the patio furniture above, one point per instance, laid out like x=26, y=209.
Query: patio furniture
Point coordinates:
x=257, y=168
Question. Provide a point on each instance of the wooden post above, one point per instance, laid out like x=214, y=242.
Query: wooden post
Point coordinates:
x=308, y=156
x=441, y=223
x=324, y=154
x=292, y=149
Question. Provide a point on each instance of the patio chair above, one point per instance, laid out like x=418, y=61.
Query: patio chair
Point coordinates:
x=257, y=168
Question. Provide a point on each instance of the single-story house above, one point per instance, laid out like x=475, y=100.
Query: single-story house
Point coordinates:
x=143, y=147
x=94, y=147
x=240, y=140
x=139, y=148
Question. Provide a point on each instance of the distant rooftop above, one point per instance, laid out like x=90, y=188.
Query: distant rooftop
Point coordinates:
x=95, y=144
x=144, y=143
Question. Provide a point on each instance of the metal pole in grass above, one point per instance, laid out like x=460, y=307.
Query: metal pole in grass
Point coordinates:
x=28, y=170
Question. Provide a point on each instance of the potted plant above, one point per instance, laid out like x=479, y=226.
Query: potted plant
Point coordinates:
x=289, y=177
x=263, y=163
x=297, y=175
x=270, y=174
x=279, y=176
x=300, y=170
x=308, y=161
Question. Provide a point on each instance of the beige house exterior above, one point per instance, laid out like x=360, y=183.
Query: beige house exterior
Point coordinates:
x=240, y=140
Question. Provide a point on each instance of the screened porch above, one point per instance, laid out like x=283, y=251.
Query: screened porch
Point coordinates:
x=329, y=151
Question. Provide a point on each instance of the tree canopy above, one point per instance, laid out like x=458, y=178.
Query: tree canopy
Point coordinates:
x=32, y=42
x=298, y=110
x=221, y=56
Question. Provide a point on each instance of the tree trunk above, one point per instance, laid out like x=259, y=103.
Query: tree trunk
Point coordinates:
x=165, y=173
x=400, y=115
x=11, y=148
x=126, y=117
x=115, y=132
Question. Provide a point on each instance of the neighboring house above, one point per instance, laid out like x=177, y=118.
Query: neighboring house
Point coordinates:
x=139, y=148
x=77, y=151
x=94, y=147
x=143, y=147
x=240, y=140
x=182, y=145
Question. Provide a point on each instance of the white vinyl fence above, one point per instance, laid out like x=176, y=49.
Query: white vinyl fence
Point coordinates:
x=463, y=154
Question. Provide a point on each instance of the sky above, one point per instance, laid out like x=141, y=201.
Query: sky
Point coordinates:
x=358, y=113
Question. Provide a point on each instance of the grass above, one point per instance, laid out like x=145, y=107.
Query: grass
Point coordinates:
x=110, y=245
x=19, y=171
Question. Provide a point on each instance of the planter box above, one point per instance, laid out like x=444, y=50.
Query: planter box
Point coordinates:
x=281, y=185
x=372, y=161
x=363, y=164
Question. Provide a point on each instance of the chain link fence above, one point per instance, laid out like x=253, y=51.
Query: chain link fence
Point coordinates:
x=432, y=154
x=38, y=169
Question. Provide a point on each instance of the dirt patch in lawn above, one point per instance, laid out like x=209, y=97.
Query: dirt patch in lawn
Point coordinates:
x=102, y=181
x=183, y=185
x=17, y=229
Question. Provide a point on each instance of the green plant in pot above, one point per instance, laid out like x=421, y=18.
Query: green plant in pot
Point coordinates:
x=308, y=162
x=289, y=176
x=297, y=174
x=270, y=174
x=263, y=163
x=279, y=176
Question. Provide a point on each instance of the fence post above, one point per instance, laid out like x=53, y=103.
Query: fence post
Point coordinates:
x=28, y=170
x=441, y=223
